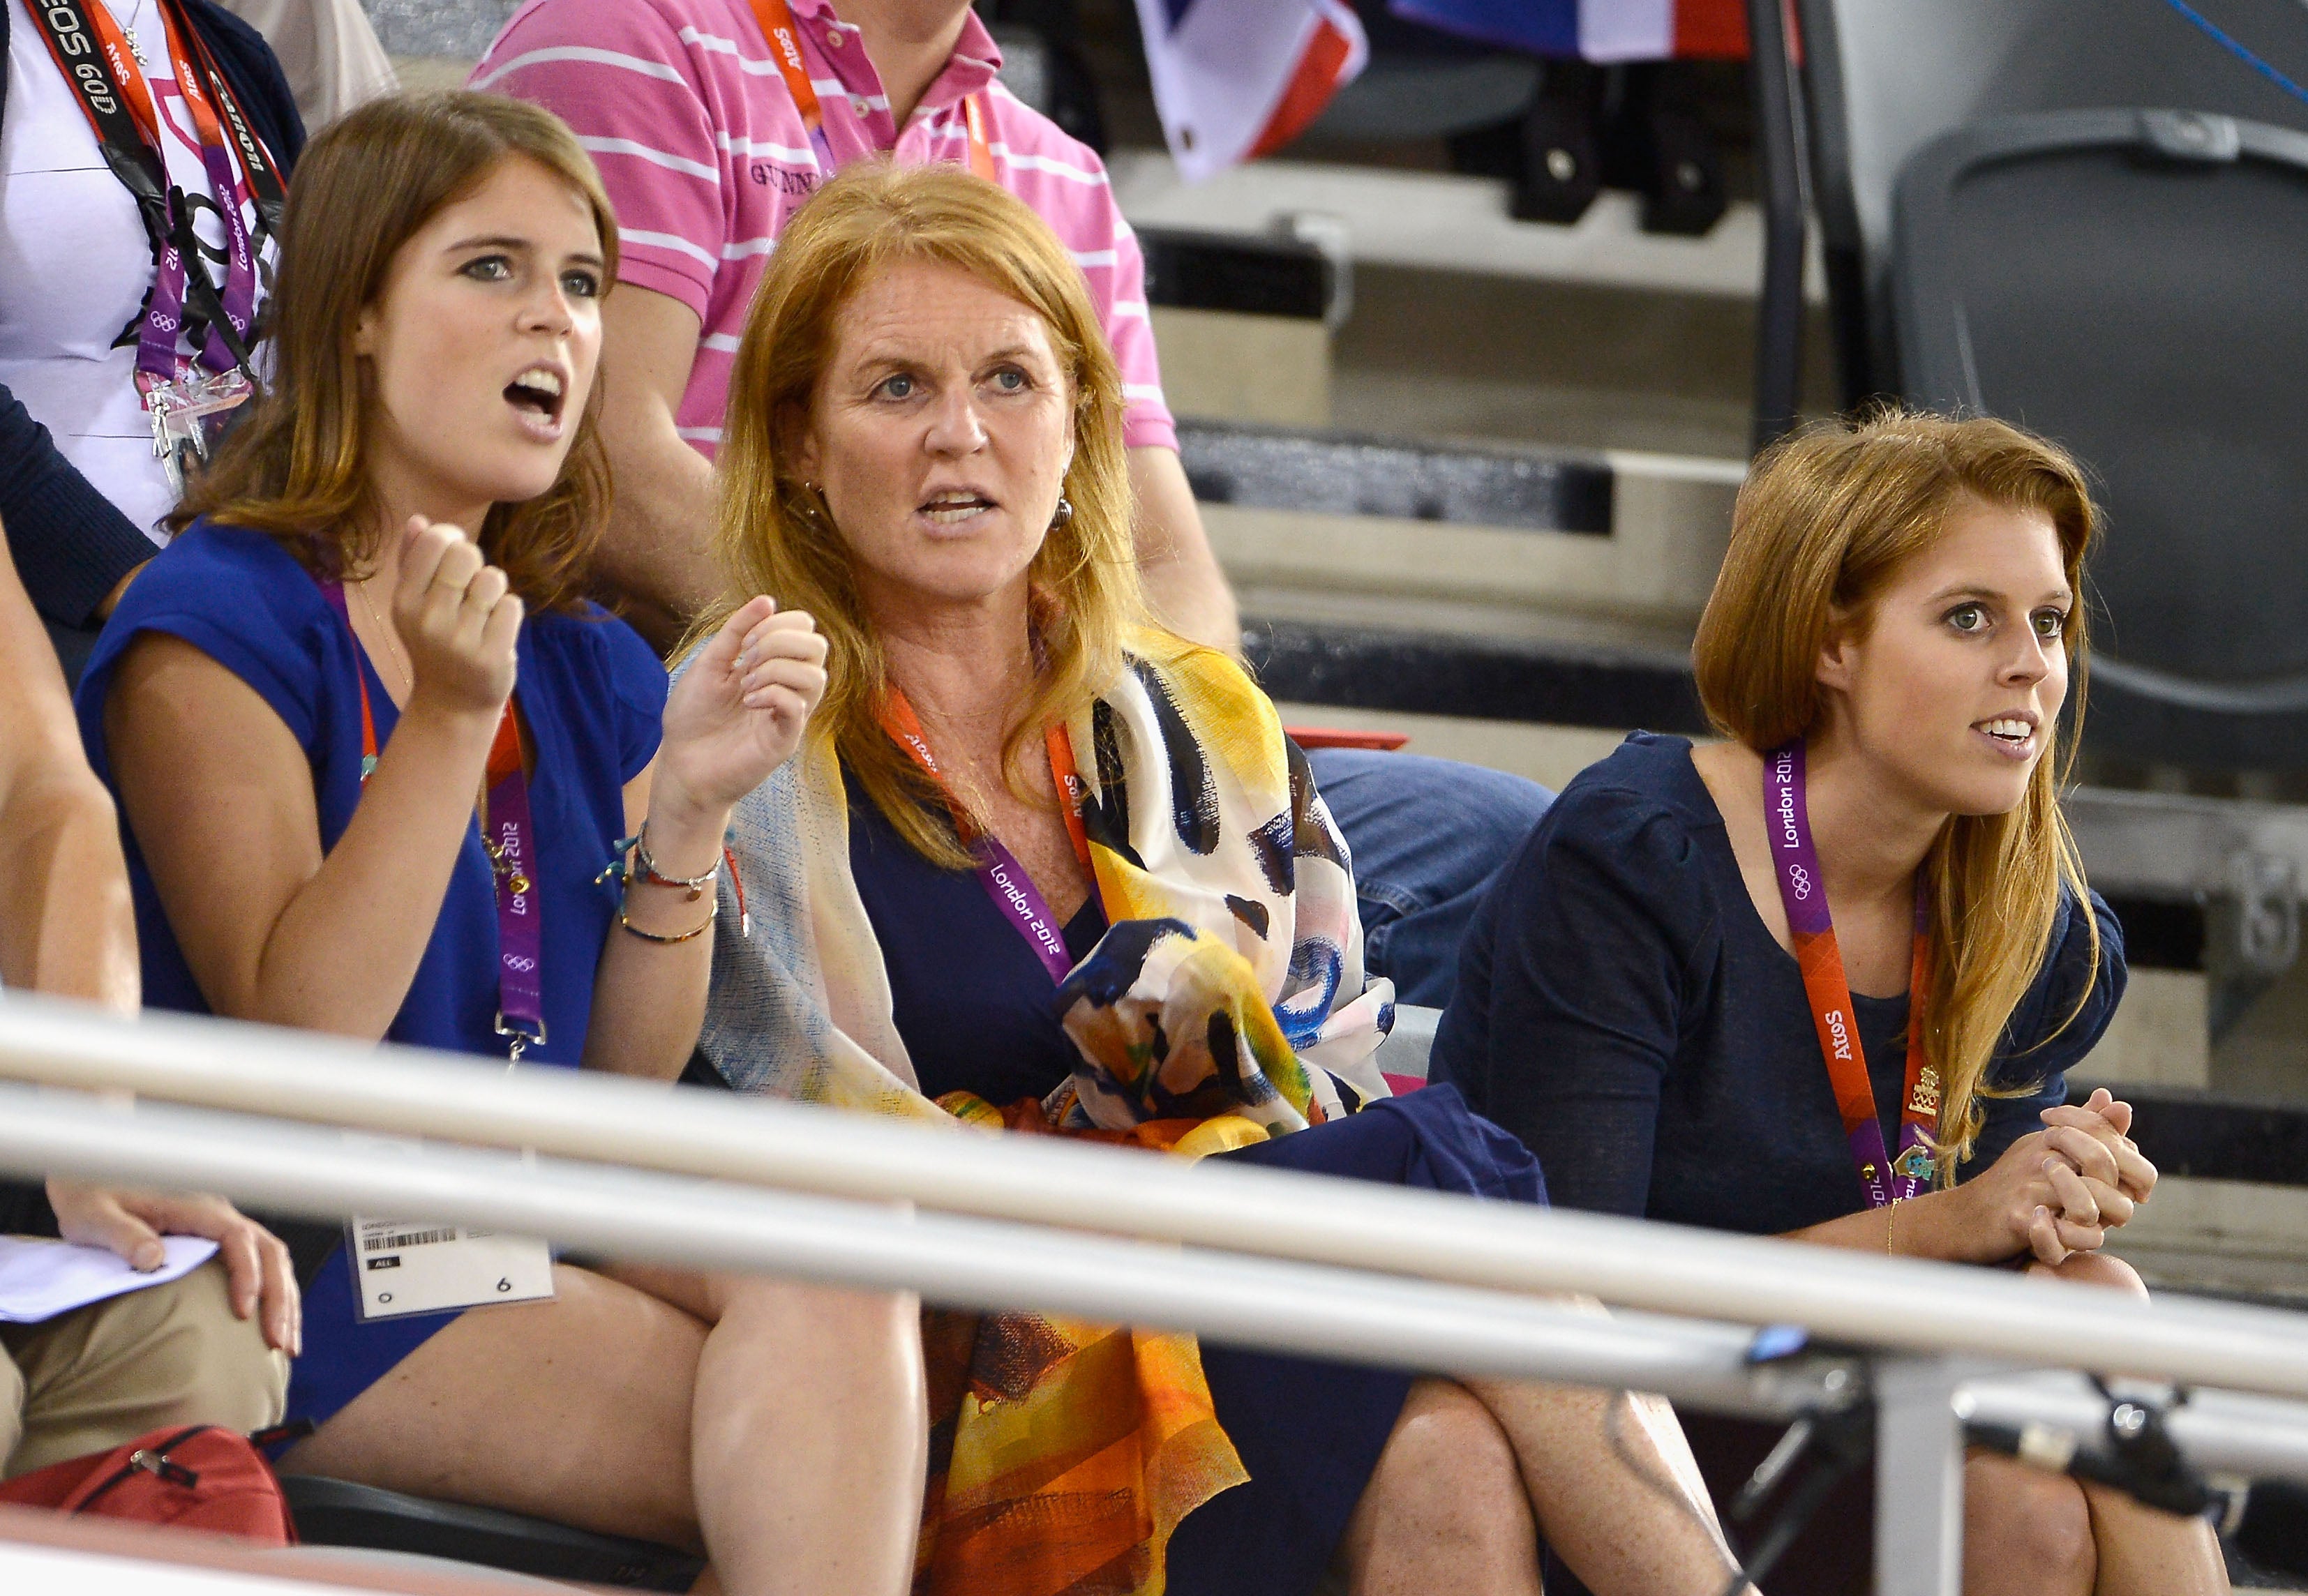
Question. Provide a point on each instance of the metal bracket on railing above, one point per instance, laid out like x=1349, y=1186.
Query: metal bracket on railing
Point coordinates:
x=1920, y=1476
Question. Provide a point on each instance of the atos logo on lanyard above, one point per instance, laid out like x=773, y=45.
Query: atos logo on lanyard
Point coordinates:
x=1828, y=991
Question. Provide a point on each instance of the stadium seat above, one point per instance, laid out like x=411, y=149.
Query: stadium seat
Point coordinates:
x=342, y=1514
x=1880, y=81
x=2128, y=282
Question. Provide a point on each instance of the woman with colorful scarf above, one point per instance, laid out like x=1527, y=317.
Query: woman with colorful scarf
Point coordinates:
x=1042, y=867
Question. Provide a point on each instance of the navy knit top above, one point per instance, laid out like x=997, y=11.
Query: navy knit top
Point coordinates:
x=1623, y=1008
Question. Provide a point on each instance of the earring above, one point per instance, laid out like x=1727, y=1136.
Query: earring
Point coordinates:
x=1066, y=513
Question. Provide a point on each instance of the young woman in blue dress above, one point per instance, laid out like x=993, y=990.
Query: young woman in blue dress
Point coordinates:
x=305, y=708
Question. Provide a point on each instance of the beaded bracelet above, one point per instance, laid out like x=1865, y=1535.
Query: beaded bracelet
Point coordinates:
x=649, y=872
x=628, y=852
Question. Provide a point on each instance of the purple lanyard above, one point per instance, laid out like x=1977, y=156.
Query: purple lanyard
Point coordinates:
x=1021, y=904
x=508, y=837
x=1005, y=881
x=124, y=112
x=1786, y=817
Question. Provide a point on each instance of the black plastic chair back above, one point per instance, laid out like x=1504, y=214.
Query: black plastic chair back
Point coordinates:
x=2133, y=284
x=1884, y=79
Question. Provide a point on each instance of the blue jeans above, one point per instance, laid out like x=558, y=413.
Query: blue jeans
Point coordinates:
x=1426, y=835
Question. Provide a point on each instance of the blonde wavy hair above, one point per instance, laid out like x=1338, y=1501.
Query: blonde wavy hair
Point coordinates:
x=1826, y=521
x=774, y=535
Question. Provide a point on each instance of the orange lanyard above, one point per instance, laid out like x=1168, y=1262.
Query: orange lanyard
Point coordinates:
x=784, y=38
x=142, y=104
x=1008, y=884
x=905, y=729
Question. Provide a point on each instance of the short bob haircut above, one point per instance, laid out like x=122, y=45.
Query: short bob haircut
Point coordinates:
x=297, y=465
x=775, y=535
x=1826, y=521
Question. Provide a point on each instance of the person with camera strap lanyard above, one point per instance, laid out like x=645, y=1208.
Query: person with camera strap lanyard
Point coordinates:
x=144, y=152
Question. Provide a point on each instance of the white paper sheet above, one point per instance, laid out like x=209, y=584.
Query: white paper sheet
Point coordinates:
x=40, y=1279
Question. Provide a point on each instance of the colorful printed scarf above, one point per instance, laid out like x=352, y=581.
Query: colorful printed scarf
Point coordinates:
x=1227, y=1003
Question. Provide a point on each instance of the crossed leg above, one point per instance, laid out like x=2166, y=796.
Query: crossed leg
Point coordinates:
x=1475, y=1473
x=2029, y=1534
x=778, y=1426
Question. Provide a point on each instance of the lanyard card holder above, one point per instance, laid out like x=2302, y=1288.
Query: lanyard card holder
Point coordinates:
x=404, y=1266
x=190, y=418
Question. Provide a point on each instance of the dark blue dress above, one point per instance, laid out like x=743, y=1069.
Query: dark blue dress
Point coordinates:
x=978, y=1013
x=1623, y=1009
x=593, y=696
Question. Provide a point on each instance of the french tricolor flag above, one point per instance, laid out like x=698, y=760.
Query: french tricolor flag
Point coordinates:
x=1234, y=79
x=1593, y=29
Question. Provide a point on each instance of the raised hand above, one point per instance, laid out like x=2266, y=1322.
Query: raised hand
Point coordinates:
x=739, y=711
x=458, y=618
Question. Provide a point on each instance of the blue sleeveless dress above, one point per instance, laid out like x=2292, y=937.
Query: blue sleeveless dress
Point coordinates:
x=593, y=695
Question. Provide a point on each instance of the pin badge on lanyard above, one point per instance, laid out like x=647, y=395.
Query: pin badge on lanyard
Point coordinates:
x=188, y=400
x=1794, y=861
x=784, y=38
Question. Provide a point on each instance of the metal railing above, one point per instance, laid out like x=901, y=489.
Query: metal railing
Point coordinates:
x=1280, y=1261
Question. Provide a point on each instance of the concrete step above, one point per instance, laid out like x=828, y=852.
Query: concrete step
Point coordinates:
x=1495, y=541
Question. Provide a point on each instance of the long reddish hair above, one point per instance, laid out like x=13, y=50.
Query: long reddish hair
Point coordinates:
x=1825, y=522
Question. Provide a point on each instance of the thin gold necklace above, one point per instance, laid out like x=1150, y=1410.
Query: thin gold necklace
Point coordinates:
x=392, y=644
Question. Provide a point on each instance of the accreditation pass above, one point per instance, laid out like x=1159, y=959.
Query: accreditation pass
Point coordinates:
x=404, y=1266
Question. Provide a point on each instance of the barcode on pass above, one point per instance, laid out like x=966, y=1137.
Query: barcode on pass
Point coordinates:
x=407, y=1238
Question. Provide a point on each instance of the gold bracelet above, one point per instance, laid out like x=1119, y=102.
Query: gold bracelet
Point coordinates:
x=661, y=940
x=1890, y=1223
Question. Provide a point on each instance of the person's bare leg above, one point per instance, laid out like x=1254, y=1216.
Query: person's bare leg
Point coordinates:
x=2138, y=1552
x=2025, y=1532
x=581, y=1411
x=1607, y=1475
x=1444, y=1512
x=575, y=1410
x=844, y=1439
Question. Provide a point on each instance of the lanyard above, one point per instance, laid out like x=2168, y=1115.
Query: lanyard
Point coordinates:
x=509, y=837
x=1005, y=881
x=1786, y=816
x=784, y=38
x=123, y=111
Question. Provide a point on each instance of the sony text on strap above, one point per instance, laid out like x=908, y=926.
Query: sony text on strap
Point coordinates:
x=187, y=395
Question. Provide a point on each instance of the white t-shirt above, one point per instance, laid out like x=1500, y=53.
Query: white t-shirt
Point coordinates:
x=74, y=260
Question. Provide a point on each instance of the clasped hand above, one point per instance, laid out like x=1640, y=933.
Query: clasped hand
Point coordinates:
x=2059, y=1190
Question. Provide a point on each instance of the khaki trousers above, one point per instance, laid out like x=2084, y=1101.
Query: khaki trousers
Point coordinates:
x=173, y=1354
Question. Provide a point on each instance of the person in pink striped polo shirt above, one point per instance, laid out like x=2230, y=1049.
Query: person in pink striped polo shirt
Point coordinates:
x=706, y=154
x=704, y=136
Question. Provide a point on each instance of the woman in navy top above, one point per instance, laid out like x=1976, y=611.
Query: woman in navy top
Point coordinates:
x=1824, y=978
x=306, y=704
x=1624, y=1008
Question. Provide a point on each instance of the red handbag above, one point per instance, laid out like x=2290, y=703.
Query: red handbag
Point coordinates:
x=197, y=1478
